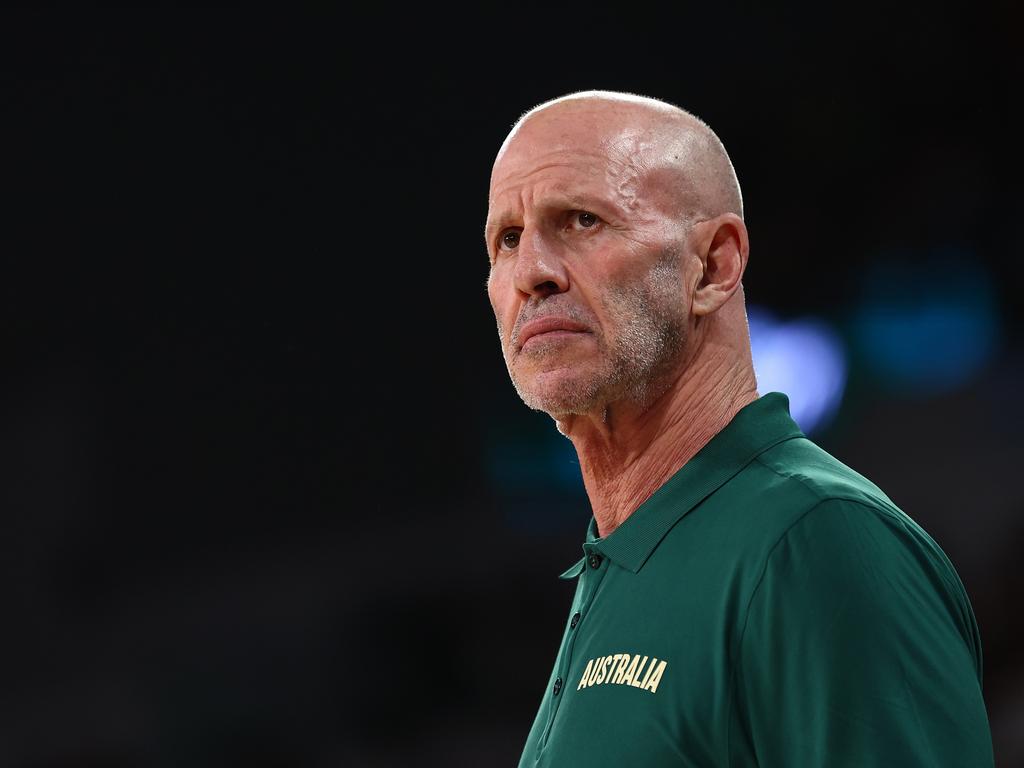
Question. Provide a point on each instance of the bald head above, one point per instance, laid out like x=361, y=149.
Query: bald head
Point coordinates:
x=617, y=247
x=678, y=150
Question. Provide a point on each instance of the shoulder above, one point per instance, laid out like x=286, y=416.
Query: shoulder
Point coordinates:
x=821, y=475
x=794, y=480
x=857, y=614
x=798, y=485
x=828, y=524
x=839, y=507
x=861, y=566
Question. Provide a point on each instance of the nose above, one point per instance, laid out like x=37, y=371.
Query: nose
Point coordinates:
x=539, y=269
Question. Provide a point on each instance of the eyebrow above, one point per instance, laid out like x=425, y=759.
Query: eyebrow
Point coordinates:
x=567, y=202
x=499, y=223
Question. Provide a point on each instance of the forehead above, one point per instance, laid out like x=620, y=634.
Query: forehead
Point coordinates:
x=600, y=134
x=575, y=150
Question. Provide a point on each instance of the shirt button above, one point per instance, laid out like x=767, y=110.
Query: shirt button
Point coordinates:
x=575, y=621
x=558, y=686
x=595, y=560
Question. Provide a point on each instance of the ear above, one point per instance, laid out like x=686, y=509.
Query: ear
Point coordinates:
x=723, y=247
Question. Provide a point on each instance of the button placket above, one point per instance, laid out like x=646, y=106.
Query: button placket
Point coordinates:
x=590, y=580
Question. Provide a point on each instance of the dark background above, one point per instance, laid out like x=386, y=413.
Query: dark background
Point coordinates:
x=268, y=498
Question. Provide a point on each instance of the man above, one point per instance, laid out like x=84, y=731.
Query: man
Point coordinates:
x=744, y=599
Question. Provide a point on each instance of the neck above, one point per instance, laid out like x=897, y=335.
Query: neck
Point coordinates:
x=628, y=451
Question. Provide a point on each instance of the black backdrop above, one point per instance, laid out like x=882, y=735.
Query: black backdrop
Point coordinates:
x=259, y=504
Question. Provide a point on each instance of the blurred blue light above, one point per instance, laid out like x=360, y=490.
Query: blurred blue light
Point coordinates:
x=927, y=328
x=804, y=358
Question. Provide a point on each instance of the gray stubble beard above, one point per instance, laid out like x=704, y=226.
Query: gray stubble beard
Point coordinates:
x=651, y=322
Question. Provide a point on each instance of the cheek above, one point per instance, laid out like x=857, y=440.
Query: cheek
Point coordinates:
x=501, y=301
x=606, y=293
x=494, y=291
x=631, y=297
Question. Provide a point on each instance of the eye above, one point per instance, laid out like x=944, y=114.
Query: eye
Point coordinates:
x=585, y=219
x=509, y=239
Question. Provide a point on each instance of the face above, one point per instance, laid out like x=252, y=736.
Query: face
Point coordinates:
x=589, y=263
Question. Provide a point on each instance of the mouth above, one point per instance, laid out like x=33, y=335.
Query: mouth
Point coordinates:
x=548, y=329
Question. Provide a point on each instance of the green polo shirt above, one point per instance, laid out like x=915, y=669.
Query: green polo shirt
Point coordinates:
x=767, y=606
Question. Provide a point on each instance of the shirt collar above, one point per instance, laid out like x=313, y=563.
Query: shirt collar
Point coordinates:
x=754, y=429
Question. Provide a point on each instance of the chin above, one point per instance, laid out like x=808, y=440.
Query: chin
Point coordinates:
x=562, y=392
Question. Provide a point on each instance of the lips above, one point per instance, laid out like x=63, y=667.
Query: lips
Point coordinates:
x=549, y=324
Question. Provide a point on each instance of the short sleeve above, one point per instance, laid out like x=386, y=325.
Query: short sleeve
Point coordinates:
x=860, y=648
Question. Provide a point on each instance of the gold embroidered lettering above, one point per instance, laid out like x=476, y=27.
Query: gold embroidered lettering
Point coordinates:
x=586, y=672
x=635, y=682
x=650, y=668
x=652, y=684
x=616, y=666
x=627, y=679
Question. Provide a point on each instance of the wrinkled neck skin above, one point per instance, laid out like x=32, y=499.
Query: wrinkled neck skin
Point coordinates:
x=629, y=450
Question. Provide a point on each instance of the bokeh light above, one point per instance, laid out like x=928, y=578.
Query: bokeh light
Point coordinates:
x=805, y=358
x=926, y=323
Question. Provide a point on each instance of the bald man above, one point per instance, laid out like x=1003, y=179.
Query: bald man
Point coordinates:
x=744, y=598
